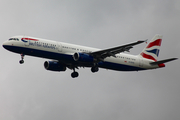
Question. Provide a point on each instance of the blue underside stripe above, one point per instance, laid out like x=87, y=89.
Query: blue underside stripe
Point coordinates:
x=69, y=59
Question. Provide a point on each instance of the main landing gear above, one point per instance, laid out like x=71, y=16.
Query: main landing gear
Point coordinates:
x=94, y=69
x=22, y=59
x=74, y=74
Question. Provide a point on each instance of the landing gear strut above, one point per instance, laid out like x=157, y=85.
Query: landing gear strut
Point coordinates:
x=74, y=74
x=22, y=59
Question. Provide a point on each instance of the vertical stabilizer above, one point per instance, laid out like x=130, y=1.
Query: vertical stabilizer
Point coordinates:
x=152, y=50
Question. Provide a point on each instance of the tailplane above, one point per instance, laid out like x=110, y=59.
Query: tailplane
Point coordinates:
x=151, y=52
x=161, y=62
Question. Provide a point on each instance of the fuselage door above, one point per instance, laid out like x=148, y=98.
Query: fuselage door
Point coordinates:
x=140, y=62
x=59, y=47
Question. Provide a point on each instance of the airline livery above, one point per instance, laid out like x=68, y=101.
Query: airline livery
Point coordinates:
x=64, y=55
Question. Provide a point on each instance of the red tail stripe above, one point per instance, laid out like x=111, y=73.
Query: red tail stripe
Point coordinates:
x=155, y=43
x=148, y=56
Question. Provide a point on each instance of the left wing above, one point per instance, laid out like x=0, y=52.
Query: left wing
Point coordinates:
x=102, y=54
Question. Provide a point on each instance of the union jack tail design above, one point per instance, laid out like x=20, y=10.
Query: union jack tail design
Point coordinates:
x=152, y=50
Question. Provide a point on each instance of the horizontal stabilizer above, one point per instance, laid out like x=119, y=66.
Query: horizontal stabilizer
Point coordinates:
x=162, y=61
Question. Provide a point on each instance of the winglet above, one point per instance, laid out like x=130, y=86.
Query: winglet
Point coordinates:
x=146, y=41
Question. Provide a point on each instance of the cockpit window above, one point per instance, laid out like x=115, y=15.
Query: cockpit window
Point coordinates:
x=16, y=39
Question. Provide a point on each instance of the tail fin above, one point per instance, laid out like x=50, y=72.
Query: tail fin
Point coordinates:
x=152, y=50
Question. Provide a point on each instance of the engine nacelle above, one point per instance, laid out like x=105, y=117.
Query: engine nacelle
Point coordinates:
x=54, y=66
x=83, y=57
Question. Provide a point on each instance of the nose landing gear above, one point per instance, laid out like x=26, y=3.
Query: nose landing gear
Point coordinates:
x=22, y=59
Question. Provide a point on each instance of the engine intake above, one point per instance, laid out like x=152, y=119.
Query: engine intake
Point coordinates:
x=83, y=57
x=54, y=66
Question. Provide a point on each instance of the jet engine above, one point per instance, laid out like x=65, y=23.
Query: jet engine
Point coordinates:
x=83, y=57
x=54, y=66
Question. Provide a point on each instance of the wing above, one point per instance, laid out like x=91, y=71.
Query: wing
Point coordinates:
x=102, y=54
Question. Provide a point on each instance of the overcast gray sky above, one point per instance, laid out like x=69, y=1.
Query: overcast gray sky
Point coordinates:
x=29, y=92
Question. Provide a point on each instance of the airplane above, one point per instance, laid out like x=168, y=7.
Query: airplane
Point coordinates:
x=65, y=55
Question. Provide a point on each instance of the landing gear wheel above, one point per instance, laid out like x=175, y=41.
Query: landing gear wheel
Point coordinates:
x=22, y=57
x=74, y=74
x=21, y=61
x=94, y=69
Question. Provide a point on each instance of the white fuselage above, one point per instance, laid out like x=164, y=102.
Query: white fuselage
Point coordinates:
x=63, y=52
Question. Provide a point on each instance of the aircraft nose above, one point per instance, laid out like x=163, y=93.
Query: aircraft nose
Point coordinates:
x=5, y=44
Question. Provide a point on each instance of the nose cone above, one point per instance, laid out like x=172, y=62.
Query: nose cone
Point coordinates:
x=5, y=44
